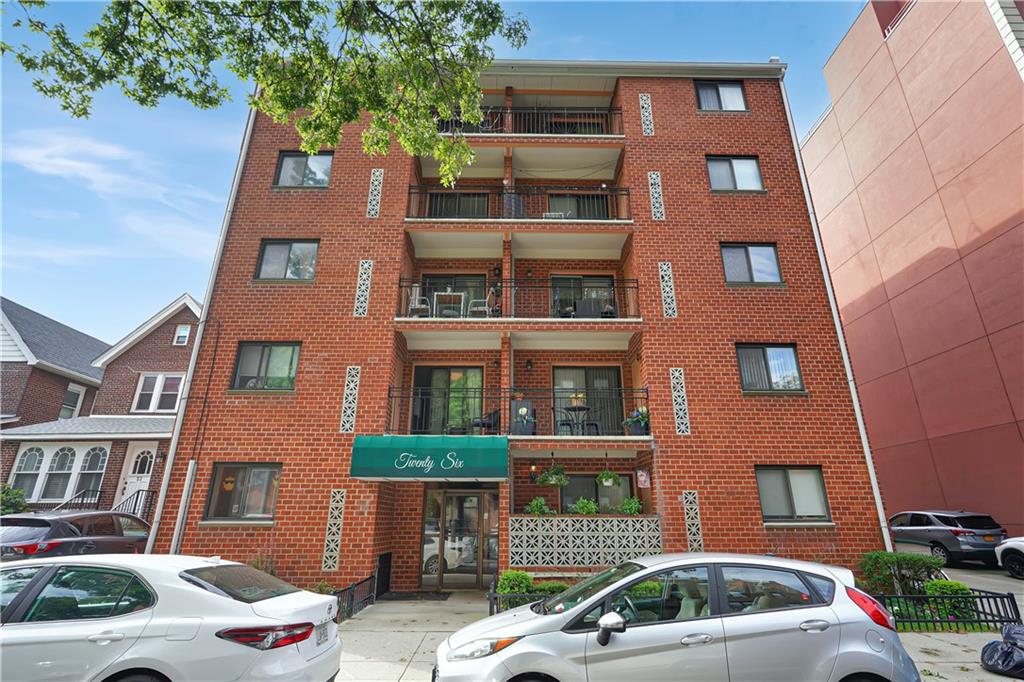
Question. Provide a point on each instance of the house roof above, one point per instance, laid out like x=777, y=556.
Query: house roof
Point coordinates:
x=93, y=428
x=146, y=327
x=52, y=345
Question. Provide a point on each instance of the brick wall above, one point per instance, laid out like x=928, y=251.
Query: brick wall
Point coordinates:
x=41, y=394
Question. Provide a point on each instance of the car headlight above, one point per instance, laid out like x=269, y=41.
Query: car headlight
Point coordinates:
x=479, y=648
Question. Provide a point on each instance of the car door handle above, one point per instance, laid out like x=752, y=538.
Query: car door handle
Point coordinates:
x=104, y=637
x=89, y=546
x=814, y=625
x=690, y=640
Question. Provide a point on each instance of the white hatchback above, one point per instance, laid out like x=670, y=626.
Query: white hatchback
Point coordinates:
x=152, y=618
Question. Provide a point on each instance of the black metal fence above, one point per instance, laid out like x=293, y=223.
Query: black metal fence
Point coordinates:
x=357, y=596
x=539, y=121
x=979, y=611
x=139, y=503
x=498, y=602
x=523, y=202
x=82, y=500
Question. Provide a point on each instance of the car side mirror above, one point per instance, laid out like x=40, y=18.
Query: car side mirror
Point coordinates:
x=607, y=624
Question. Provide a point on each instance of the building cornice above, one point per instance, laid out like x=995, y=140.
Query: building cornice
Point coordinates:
x=618, y=69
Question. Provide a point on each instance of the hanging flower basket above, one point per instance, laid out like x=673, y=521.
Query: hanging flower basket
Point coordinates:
x=608, y=478
x=554, y=475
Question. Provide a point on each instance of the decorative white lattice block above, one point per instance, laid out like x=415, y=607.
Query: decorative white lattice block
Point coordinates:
x=646, y=114
x=350, y=400
x=668, y=289
x=376, y=188
x=691, y=516
x=657, y=200
x=679, y=406
x=332, y=537
x=580, y=542
x=363, y=281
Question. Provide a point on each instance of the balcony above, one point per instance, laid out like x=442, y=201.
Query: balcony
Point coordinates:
x=561, y=121
x=558, y=412
x=590, y=203
x=566, y=297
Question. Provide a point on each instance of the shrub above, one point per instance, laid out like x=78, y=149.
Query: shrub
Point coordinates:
x=12, y=500
x=897, y=572
x=631, y=506
x=647, y=588
x=538, y=506
x=951, y=609
x=514, y=582
x=584, y=505
x=322, y=587
x=264, y=562
x=550, y=587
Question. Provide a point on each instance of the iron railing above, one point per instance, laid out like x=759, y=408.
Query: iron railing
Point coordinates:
x=83, y=499
x=139, y=503
x=524, y=202
x=357, y=596
x=591, y=298
x=981, y=610
x=498, y=602
x=567, y=412
x=539, y=121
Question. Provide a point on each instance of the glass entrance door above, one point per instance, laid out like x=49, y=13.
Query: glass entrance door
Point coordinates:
x=460, y=539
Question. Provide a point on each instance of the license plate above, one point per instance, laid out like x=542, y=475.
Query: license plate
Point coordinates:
x=321, y=633
x=990, y=538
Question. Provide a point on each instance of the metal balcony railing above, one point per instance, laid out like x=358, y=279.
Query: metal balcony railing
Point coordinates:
x=539, y=121
x=583, y=297
x=530, y=202
x=567, y=412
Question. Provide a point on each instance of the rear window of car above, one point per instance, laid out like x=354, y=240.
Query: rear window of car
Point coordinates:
x=825, y=587
x=977, y=522
x=23, y=530
x=241, y=583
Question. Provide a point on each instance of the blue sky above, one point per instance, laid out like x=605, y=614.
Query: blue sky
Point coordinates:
x=106, y=220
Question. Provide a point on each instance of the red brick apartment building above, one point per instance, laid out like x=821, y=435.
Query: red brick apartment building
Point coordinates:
x=917, y=176
x=388, y=369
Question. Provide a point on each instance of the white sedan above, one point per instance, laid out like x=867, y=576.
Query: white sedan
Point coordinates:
x=153, y=618
x=1010, y=555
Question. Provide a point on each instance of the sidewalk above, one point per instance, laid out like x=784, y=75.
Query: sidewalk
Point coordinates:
x=396, y=641
x=949, y=656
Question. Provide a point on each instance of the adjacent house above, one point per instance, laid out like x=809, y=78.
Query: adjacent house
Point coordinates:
x=917, y=176
x=110, y=456
x=622, y=295
x=47, y=370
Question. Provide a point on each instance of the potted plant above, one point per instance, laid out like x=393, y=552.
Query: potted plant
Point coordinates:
x=638, y=423
x=608, y=478
x=554, y=475
x=583, y=506
x=524, y=419
x=538, y=506
x=631, y=506
x=577, y=399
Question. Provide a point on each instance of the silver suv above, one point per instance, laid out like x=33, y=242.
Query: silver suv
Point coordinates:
x=708, y=617
x=953, y=536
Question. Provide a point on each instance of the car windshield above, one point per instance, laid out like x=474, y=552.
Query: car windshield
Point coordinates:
x=23, y=530
x=242, y=583
x=977, y=522
x=586, y=589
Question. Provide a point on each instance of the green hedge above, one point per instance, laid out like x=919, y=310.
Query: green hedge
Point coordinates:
x=550, y=587
x=514, y=582
x=897, y=572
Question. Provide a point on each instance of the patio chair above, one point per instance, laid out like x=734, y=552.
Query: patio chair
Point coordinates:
x=483, y=307
x=489, y=422
x=419, y=306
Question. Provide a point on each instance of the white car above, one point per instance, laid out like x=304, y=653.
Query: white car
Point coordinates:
x=153, y=618
x=1010, y=555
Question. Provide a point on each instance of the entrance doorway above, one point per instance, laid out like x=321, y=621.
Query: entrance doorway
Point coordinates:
x=134, y=493
x=460, y=539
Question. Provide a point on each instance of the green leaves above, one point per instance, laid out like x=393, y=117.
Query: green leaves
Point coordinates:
x=316, y=65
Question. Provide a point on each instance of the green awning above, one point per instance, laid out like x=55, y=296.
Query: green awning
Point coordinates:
x=430, y=458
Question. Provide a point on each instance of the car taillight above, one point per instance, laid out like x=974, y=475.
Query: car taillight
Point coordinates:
x=32, y=548
x=269, y=637
x=872, y=607
x=959, y=532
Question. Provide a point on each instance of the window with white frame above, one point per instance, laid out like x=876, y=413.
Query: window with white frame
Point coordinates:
x=792, y=493
x=91, y=474
x=58, y=474
x=26, y=471
x=157, y=393
x=181, y=333
x=71, y=404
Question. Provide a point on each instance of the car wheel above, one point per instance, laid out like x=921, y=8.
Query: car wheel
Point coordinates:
x=431, y=565
x=1014, y=565
x=940, y=552
x=139, y=677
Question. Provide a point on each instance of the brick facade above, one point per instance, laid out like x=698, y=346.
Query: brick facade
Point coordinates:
x=731, y=431
x=35, y=394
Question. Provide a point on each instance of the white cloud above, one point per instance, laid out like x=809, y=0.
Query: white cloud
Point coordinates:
x=175, y=235
x=57, y=253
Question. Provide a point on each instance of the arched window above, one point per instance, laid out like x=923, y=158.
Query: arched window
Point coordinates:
x=55, y=486
x=143, y=464
x=26, y=473
x=93, y=466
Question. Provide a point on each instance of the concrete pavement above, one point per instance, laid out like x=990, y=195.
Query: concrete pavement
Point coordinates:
x=981, y=577
x=948, y=656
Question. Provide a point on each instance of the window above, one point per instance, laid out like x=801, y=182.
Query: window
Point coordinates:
x=447, y=400
x=101, y=525
x=920, y=521
x=720, y=96
x=13, y=581
x=608, y=498
x=26, y=473
x=900, y=520
x=457, y=205
x=583, y=296
x=241, y=583
x=734, y=173
x=91, y=474
x=587, y=401
x=750, y=589
x=77, y=593
x=266, y=366
x=243, y=491
x=157, y=393
x=181, y=333
x=297, y=169
x=769, y=368
x=680, y=594
x=792, y=494
x=55, y=485
x=282, y=259
x=72, y=401
x=825, y=588
x=751, y=263
x=132, y=527
x=579, y=206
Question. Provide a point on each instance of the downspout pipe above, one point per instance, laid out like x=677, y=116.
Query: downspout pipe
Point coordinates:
x=186, y=390
x=883, y=523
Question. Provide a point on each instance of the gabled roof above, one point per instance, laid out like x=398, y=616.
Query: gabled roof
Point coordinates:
x=94, y=428
x=146, y=327
x=51, y=345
